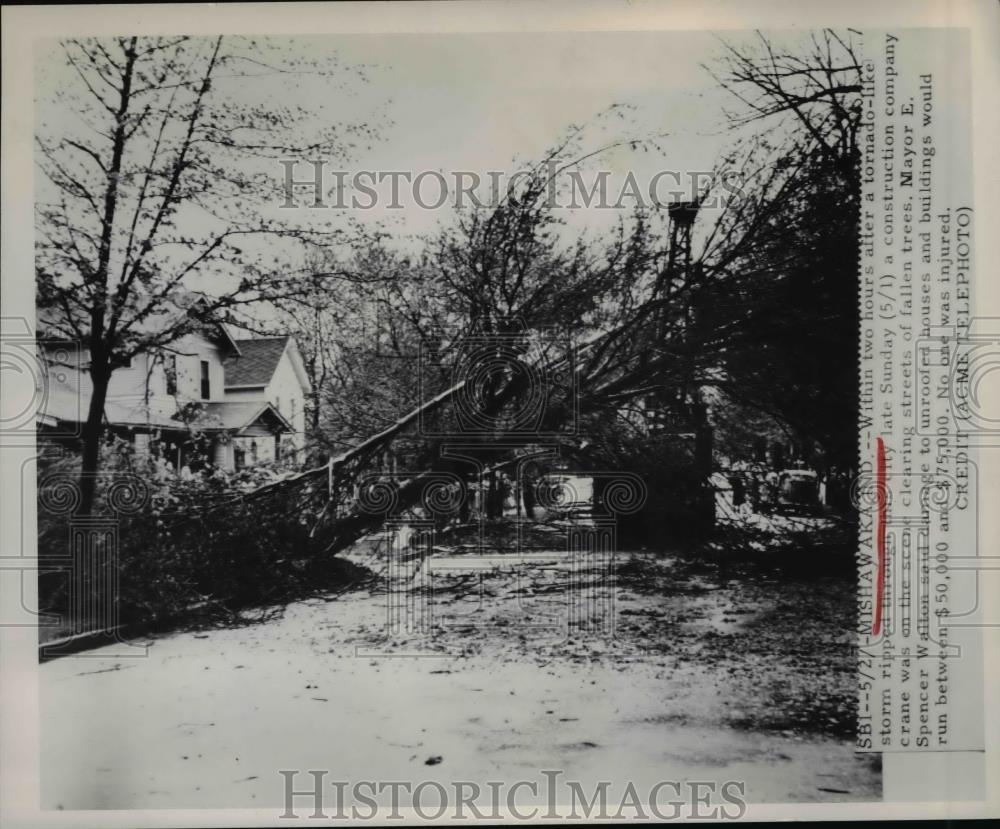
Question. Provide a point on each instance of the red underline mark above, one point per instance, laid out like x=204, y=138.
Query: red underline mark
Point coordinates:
x=880, y=496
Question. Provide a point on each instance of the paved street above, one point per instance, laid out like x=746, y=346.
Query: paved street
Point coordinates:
x=712, y=673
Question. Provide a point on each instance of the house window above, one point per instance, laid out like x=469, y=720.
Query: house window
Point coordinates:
x=170, y=373
x=206, y=386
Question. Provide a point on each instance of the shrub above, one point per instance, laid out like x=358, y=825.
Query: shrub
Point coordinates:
x=210, y=545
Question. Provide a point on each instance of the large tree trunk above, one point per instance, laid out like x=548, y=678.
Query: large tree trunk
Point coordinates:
x=93, y=432
x=100, y=371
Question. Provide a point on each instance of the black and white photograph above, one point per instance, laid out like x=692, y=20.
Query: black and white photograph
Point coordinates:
x=450, y=424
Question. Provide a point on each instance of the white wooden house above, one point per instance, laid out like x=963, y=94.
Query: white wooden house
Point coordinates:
x=270, y=371
x=233, y=402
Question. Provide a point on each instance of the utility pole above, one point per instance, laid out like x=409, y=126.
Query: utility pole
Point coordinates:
x=679, y=264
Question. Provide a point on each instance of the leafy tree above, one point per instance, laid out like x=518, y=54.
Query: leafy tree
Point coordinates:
x=154, y=181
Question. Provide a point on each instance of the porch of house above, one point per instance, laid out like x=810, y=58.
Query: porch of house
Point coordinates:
x=229, y=436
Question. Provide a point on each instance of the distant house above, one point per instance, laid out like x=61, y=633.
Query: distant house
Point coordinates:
x=270, y=371
x=207, y=396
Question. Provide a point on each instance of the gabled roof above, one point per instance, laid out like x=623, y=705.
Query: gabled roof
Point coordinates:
x=193, y=304
x=237, y=416
x=256, y=363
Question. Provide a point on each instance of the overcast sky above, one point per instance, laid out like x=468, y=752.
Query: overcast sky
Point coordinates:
x=477, y=102
x=490, y=102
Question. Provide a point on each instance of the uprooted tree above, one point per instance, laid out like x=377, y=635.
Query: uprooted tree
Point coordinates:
x=769, y=292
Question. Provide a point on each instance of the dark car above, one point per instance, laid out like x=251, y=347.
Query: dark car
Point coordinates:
x=798, y=490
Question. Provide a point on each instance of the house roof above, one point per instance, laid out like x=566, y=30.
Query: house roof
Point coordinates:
x=256, y=363
x=61, y=405
x=237, y=416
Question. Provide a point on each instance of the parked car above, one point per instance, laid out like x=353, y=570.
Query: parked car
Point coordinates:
x=798, y=490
